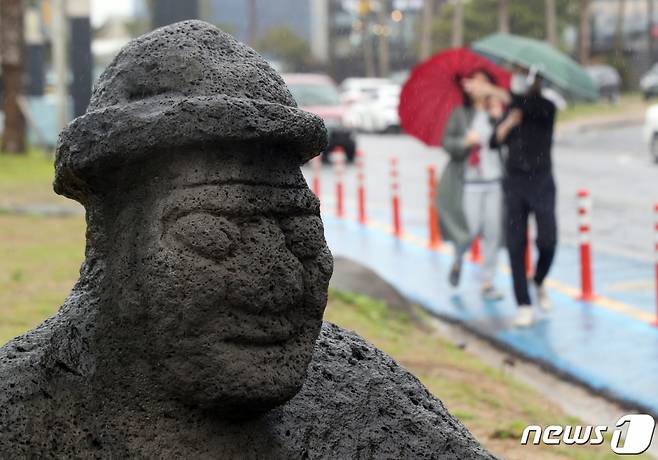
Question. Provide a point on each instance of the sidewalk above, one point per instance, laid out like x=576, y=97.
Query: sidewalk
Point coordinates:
x=609, y=345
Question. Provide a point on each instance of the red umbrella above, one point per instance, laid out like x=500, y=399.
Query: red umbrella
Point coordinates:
x=433, y=91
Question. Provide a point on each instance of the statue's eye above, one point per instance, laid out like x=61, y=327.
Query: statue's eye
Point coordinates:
x=304, y=235
x=206, y=234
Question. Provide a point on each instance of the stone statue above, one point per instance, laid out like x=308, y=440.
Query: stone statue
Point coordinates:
x=195, y=329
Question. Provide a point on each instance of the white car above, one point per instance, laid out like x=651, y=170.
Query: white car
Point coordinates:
x=650, y=132
x=359, y=90
x=381, y=115
x=376, y=111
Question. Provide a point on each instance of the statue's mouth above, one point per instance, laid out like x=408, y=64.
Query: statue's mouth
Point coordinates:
x=261, y=340
x=262, y=330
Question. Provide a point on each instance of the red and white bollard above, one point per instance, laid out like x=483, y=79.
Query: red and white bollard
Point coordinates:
x=433, y=214
x=339, y=165
x=316, y=164
x=476, y=252
x=361, y=188
x=395, y=198
x=584, y=230
x=655, y=248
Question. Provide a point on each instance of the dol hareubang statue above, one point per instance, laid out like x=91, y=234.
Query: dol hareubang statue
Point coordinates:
x=195, y=330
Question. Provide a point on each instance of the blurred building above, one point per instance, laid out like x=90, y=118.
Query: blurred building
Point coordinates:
x=635, y=27
x=336, y=30
x=639, y=32
x=235, y=15
x=355, y=25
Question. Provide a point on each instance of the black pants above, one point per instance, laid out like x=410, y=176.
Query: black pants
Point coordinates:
x=526, y=194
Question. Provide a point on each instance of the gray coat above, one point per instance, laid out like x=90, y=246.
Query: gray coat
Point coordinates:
x=450, y=191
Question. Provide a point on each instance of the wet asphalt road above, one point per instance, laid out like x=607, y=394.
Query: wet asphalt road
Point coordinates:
x=614, y=164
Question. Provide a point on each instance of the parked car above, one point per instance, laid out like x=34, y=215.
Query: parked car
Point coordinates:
x=649, y=82
x=380, y=114
x=607, y=80
x=359, y=90
x=650, y=132
x=318, y=94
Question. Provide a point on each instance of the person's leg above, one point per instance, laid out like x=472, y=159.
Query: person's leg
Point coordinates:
x=516, y=227
x=471, y=205
x=492, y=229
x=544, y=209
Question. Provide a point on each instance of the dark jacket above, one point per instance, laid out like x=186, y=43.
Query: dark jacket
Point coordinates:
x=529, y=145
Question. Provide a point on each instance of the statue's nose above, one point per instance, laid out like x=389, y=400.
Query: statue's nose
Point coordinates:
x=269, y=276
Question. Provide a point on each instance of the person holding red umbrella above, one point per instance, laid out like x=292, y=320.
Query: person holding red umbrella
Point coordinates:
x=450, y=100
x=470, y=195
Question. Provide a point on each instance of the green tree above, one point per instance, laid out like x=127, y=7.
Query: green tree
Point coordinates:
x=526, y=17
x=283, y=43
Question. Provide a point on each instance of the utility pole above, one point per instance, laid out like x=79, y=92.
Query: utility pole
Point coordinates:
x=426, y=30
x=81, y=59
x=11, y=52
x=60, y=64
x=458, y=23
x=384, y=56
x=503, y=16
x=551, y=23
x=584, y=33
x=252, y=26
x=34, y=53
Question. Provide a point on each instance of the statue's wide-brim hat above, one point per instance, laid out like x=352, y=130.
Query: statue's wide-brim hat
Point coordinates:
x=185, y=84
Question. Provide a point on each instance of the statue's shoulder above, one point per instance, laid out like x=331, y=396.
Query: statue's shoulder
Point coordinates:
x=343, y=358
x=33, y=396
x=357, y=399
x=22, y=387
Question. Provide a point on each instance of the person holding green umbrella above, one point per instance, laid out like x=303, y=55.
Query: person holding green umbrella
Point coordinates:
x=527, y=133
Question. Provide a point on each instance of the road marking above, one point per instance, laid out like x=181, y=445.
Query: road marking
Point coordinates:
x=633, y=285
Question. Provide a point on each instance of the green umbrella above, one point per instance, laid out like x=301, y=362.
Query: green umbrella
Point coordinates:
x=556, y=67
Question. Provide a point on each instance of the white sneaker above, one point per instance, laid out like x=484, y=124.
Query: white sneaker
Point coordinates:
x=543, y=300
x=524, y=316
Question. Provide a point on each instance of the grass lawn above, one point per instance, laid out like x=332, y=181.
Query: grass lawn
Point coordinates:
x=39, y=262
x=27, y=179
x=629, y=103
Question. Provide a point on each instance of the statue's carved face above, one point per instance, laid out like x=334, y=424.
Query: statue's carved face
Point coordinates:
x=232, y=278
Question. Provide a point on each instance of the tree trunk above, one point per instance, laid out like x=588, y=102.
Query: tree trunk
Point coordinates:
x=458, y=23
x=619, y=28
x=426, y=30
x=650, y=37
x=384, y=57
x=551, y=23
x=584, y=33
x=12, y=47
x=503, y=16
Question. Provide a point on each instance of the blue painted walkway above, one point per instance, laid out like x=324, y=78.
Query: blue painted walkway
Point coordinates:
x=609, y=345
